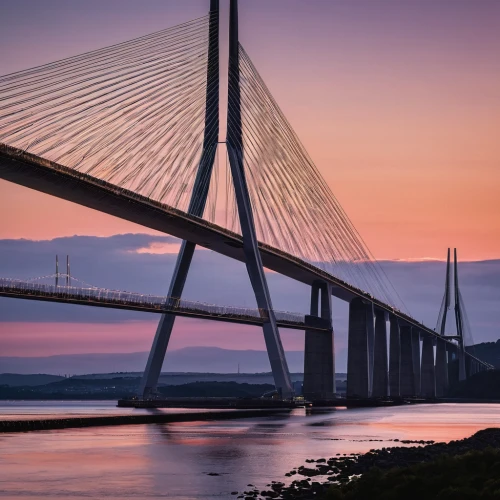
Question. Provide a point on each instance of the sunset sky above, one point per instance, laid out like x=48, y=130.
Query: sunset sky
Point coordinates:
x=397, y=103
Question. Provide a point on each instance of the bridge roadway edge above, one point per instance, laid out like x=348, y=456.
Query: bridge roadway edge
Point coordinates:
x=31, y=171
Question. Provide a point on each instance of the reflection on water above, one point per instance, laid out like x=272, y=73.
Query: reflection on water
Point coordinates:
x=174, y=460
x=33, y=410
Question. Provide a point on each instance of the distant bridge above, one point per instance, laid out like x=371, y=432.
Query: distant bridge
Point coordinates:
x=131, y=301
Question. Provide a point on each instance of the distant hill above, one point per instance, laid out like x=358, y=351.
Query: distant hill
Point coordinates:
x=171, y=379
x=116, y=388
x=15, y=379
x=188, y=359
x=487, y=351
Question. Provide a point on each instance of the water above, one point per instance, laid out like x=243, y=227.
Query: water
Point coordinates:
x=173, y=460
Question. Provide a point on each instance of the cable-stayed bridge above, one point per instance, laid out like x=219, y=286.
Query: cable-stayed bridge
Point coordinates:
x=133, y=130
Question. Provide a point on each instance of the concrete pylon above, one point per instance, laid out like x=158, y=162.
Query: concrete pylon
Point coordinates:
x=441, y=369
x=370, y=331
x=415, y=339
x=453, y=367
x=196, y=207
x=319, y=352
x=253, y=259
x=394, y=357
x=428, y=368
x=462, y=371
x=407, y=380
x=380, y=368
x=358, y=383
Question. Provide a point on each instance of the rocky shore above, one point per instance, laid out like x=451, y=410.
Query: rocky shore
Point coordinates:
x=339, y=469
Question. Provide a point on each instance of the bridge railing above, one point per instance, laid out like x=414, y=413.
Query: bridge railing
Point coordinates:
x=158, y=302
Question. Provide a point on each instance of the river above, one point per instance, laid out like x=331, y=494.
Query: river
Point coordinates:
x=174, y=460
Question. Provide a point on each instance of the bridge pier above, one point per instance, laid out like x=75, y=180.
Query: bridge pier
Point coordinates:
x=358, y=379
x=474, y=367
x=360, y=351
x=468, y=366
x=415, y=340
x=394, y=357
x=428, y=368
x=407, y=357
x=441, y=369
x=370, y=331
x=453, y=368
x=462, y=372
x=380, y=368
x=319, y=360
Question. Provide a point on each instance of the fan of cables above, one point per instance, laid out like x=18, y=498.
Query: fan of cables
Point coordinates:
x=132, y=114
x=294, y=209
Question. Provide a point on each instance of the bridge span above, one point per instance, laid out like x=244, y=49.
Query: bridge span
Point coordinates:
x=43, y=175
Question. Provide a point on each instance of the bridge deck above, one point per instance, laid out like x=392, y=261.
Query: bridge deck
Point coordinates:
x=57, y=180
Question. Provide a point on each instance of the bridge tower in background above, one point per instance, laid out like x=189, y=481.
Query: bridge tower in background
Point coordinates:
x=456, y=354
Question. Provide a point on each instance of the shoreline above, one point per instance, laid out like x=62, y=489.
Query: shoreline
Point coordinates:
x=337, y=471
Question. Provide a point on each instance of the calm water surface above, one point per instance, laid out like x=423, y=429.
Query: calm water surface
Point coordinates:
x=173, y=460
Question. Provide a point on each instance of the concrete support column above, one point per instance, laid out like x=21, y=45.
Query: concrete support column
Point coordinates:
x=380, y=368
x=462, y=371
x=468, y=366
x=453, y=367
x=319, y=356
x=428, y=368
x=475, y=367
x=394, y=357
x=370, y=332
x=358, y=384
x=407, y=381
x=441, y=369
x=415, y=339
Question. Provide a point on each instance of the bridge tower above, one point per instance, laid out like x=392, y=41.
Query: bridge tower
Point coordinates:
x=450, y=361
x=253, y=261
x=196, y=207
